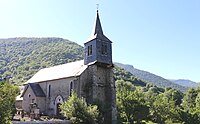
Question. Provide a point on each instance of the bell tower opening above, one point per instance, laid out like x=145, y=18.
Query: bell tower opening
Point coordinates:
x=104, y=50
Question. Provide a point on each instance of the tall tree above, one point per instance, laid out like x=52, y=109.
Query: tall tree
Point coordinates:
x=130, y=103
x=8, y=94
x=189, y=103
x=174, y=95
x=164, y=110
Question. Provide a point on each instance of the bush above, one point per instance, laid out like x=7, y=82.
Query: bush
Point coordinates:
x=78, y=111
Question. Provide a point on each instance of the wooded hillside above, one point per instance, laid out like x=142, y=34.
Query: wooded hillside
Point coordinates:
x=21, y=58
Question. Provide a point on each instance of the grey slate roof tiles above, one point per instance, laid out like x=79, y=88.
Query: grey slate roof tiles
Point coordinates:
x=37, y=90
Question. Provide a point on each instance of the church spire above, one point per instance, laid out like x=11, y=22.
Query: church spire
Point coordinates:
x=98, y=47
x=97, y=26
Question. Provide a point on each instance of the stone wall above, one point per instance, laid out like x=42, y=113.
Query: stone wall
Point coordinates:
x=58, y=89
x=18, y=104
x=98, y=85
x=27, y=99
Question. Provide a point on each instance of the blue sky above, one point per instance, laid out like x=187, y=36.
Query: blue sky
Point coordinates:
x=159, y=36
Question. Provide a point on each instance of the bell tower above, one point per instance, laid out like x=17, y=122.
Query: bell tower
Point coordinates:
x=98, y=57
x=98, y=48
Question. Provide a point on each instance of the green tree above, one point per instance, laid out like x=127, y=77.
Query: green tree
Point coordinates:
x=192, y=100
x=174, y=95
x=131, y=106
x=164, y=110
x=8, y=94
x=78, y=111
x=189, y=118
x=189, y=103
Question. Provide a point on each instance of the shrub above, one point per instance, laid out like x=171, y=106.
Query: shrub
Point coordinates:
x=78, y=111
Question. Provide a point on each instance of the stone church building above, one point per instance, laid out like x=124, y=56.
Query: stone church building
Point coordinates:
x=91, y=78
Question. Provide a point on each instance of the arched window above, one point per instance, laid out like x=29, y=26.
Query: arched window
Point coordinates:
x=104, y=49
x=58, y=101
x=49, y=89
x=70, y=88
x=89, y=50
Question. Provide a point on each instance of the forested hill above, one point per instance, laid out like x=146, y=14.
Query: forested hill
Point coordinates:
x=187, y=83
x=152, y=78
x=21, y=58
x=137, y=101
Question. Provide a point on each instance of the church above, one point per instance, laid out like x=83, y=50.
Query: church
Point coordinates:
x=91, y=78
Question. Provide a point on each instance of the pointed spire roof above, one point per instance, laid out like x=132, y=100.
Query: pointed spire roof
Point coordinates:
x=97, y=30
x=97, y=26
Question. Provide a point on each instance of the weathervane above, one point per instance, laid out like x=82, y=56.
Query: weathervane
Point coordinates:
x=97, y=6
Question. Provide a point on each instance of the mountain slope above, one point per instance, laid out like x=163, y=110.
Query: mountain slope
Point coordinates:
x=21, y=58
x=152, y=78
x=186, y=83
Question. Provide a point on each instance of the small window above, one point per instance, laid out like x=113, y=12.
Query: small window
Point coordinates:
x=71, y=88
x=29, y=95
x=33, y=100
x=49, y=88
x=104, y=49
x=89, y=50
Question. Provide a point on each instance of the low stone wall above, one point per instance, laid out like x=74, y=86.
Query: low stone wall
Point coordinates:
x=42, y=122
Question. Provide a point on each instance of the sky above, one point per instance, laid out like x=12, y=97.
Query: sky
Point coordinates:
x=158, y=36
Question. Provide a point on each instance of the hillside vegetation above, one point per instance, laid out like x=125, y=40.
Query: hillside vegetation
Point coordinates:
x=152, y=78
x=140, y=102
x=21, y=58
x=186, y=83
x=137, y=101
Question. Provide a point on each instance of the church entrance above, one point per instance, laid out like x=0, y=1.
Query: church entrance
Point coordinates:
x=58, y=112
x=58, y=101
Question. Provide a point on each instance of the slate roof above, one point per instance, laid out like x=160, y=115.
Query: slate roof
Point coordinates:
x=37, y=90
x=97, y=27
x=98, y=31
x=72, y=69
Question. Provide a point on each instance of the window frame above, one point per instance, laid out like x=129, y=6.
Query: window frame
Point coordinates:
x=49, y=90
x=89, y=51
x=104, y=49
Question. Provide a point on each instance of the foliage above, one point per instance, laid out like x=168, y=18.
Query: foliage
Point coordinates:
x=21, y=58
x=130, y=104
x=191, y=104
x=174, y=95
x=164, y=110
x=189, y=100
x=78, y=111
x=150, y=104
x=152, y=78
x=121, y=74
x=8, y=93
